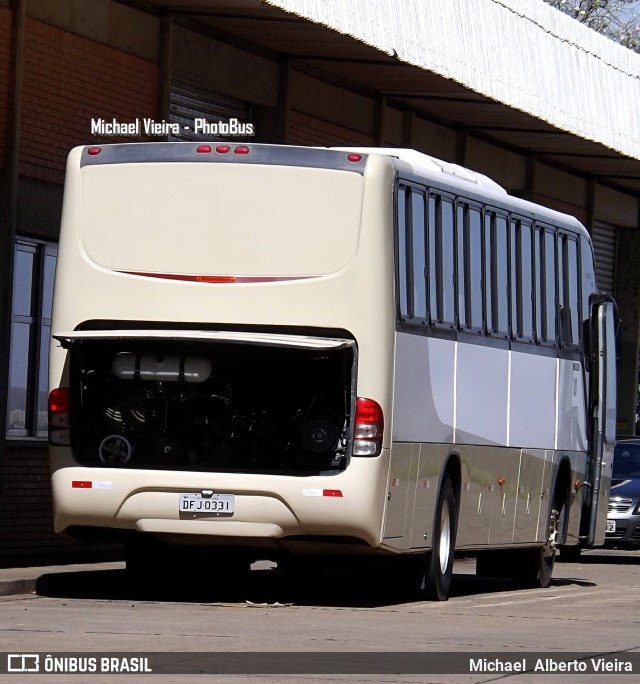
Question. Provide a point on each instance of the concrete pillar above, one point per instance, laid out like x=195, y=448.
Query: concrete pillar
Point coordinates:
x=627, y=292
x=272, y=123
x=9, y=205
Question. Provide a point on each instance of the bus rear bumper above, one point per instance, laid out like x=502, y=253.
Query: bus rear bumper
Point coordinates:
x=264, y=508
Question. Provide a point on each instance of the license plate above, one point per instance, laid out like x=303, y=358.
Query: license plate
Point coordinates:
x=215, y=504
x=611, y=526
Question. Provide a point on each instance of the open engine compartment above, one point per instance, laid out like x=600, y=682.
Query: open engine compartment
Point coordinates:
x=211, y=405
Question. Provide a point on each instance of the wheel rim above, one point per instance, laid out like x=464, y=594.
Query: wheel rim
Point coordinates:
x=445, y=538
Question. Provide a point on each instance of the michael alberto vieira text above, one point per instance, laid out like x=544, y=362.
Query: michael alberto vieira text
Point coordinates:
x=588, y=665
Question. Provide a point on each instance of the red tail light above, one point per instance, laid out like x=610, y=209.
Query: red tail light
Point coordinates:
x=369, y=428
x=59, y=417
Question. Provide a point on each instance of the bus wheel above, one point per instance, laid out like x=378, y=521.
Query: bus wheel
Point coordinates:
x=440, y=560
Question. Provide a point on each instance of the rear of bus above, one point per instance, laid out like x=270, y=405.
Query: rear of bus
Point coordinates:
x=222, y=325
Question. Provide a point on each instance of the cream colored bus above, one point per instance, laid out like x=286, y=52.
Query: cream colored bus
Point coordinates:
x=364, y=356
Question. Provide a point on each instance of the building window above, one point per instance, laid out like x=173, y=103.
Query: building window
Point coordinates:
x=204, y=115
x=34, y=271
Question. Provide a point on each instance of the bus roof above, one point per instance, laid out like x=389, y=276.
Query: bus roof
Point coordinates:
x=422, y=163
x=407, y=161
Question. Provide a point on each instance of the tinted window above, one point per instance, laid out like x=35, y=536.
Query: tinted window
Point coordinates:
x=418, y=253
x=626, y=460
x=487, y=280
x=433, y=259
x=501, y=276
x=549, y=310
x=446, y=261
x=523, y=301
x=568, y=287
x=461, y=230
x=538, y=250
x=402, y=252
x=475, y=284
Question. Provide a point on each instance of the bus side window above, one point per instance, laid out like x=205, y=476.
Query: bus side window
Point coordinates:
x=521, y=280
x=500, y=275
x=568, y=296
x=573, y=279
x=462, y=213
x=433, y=260
x=402, y=256
x=412, y=255
x=419, y=255
x=470, y=297
x=487, y=280
x=445, y=249
x=538, y=285
x=549, y=290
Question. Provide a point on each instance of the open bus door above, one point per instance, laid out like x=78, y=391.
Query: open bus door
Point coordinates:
x=602, y=394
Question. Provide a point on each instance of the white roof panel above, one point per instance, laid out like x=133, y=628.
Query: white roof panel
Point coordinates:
x=522, y=53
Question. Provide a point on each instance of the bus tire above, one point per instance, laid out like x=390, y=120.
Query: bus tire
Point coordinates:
x=439, y=573
x=534, y=569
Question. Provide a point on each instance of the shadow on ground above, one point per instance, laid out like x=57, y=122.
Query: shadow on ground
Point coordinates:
x=268, y=585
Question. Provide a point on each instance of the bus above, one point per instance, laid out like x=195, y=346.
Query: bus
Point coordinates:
x=362, y=357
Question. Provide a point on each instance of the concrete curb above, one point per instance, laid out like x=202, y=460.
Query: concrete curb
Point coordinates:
x=11, y=587
x=14, y=581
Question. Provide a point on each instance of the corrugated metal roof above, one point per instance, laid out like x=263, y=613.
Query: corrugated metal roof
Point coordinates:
x=522, y=53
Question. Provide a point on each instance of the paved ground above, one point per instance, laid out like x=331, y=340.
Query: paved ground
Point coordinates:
x=591, y=607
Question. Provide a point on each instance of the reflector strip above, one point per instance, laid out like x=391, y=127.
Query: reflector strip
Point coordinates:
x=322, y=492
x=91, y=484
x=332, y=492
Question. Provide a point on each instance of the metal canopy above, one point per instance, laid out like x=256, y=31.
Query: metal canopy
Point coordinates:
x=323, y=51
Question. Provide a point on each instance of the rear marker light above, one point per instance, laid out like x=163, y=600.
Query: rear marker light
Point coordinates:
x=81, y=484
x=241, y=149
x=203, y=149
x=369, y=428
x=332, y=492
x=223, y=149
x=94, y=150
x=354, y=157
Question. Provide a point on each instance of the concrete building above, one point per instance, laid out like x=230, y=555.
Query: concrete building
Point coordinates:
x=510, y=88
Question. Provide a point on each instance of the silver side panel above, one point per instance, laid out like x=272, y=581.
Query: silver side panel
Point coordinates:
x=424, y=390
x=508, y=415
x=532, y=401
x=482, y=393
x=469, y=394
